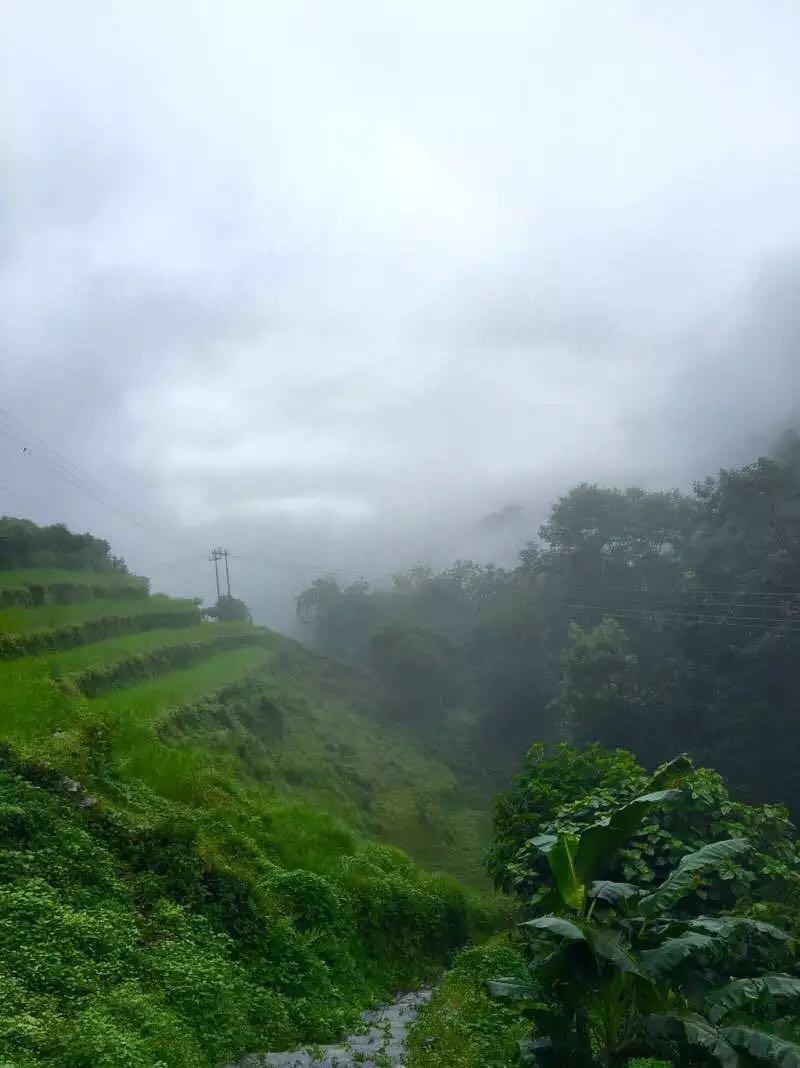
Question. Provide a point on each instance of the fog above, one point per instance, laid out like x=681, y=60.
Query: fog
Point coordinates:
x=329, y=284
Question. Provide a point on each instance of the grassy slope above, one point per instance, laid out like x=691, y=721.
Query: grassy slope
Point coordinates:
x=216, y=892
x=16, y=620
x=109, y=580
x=335, y=752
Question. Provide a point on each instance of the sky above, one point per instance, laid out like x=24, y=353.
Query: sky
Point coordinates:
x=328, y=283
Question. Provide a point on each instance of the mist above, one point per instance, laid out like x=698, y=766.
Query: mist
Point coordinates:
x=332, y=284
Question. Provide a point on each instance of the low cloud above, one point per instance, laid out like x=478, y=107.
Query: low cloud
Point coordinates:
x=332, y=287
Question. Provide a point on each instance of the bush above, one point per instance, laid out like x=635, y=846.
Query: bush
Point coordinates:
x=148, y=933
x=572, y=789
x=462, y=1025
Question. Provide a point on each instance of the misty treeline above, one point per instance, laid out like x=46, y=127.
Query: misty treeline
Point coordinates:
x=656, y=621
x=23, y=545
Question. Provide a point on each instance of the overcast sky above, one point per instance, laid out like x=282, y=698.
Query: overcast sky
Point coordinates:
x=329, y=282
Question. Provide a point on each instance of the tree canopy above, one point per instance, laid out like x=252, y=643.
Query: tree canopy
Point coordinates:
x=656, y=620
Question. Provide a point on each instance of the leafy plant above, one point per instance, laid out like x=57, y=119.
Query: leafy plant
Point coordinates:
x=621, y=971
x=569, y=790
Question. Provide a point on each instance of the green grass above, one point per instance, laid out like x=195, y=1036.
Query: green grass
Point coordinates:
x=462, y=1025
x=109, y=580
x=199, y=861
x=117, y=650
x=336, y=752
x=312, y=743
x=131, y=716
x=20, y=620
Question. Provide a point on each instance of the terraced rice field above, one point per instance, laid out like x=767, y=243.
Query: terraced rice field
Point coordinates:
x=181, y=706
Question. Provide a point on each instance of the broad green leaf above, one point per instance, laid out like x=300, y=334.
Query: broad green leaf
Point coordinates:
x=560, y=851
x=599, y=842
x=726, y=925
x=561, y=859
x=510, y=988
x=764, y=1042
x=604, y=943
x=557, y=925
x=607, y=944
x=613, y=893
x=692, y=1029
x=658, y=963
x=686, y=876
x=746, y=992
x=543, y=842
x=670, y=774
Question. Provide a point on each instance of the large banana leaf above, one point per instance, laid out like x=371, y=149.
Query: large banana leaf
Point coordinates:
x=560, y=851
x=691, y=1029
x=613, y=893
x=765, y=1042
x=602, y=840
x=686, y=876
x=609, y=945
x=722, y=926
x=602, y=941
x=745, y=993
x=660, y=962
x=557, y=925
x=672, y=774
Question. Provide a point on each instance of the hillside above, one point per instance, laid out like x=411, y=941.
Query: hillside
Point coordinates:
x=190, y=818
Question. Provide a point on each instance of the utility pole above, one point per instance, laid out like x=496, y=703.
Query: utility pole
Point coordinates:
x=227, y=573
x=217, y=555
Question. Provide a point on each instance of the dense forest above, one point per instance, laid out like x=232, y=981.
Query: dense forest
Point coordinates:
x=656, y=621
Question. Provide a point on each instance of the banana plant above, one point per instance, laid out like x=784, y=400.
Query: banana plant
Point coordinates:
x=618, y=975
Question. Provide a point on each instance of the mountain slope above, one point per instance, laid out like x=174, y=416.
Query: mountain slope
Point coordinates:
x=186, y=811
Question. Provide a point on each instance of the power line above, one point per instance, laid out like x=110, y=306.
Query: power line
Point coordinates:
x=21, y=435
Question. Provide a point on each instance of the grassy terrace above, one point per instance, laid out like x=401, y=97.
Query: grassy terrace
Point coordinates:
x=17, y=619
x=334, y=750
x=25, y=588
x=108, y=580
x=74, y=662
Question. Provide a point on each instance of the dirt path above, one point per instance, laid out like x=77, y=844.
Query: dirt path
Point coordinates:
x=381, y=1044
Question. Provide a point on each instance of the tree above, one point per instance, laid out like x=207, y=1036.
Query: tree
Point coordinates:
x=229, y=610
x=23, y=544
x=599, y=698
x=420, y=669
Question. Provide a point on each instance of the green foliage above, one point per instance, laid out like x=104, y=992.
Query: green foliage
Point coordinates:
x=616, y=971
x=569, y=791
x=23, y=544
x=154, y=933
x=175, y=886
x=598, y=697
x=463, y=1025
x=20, y=636
x=651, y=620
x=420, y=670
x=229, y=610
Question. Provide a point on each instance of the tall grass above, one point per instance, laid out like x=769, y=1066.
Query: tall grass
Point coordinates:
x=180, y=773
